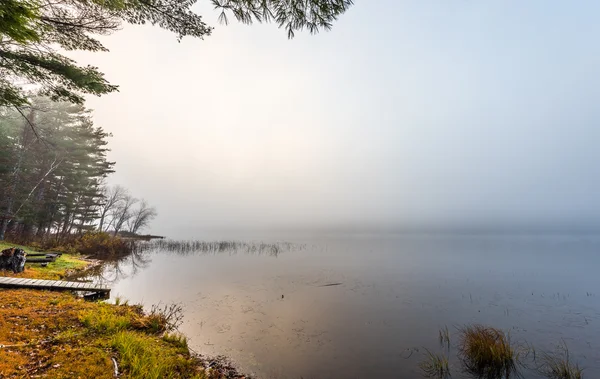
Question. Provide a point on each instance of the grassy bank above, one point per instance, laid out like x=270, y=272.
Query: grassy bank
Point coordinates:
x=58, y=335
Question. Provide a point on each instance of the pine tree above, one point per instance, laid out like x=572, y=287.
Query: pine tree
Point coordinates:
x=30, y=31
x=54, y=181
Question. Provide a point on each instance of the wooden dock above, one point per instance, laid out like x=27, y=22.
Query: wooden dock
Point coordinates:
x=41, y=258
x=53, y=285
x=47, y=255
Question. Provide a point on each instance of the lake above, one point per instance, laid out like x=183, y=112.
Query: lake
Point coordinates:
x=364, y=306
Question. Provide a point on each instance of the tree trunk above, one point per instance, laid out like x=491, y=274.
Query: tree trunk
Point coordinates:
x=15, y=176
x=3, y=228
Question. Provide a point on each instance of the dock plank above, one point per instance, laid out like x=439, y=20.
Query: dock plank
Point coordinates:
x=55, y=285
x=63, y=284
x=46, y=255
x=12, y=280
x=39, y=260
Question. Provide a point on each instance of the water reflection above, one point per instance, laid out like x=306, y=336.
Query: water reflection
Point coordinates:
x=113, y=268
x=128, y=263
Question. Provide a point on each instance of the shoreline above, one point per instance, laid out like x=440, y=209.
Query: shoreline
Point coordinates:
x=58, y=334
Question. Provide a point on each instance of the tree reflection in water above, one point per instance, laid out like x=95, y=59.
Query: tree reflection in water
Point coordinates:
x=112, y=268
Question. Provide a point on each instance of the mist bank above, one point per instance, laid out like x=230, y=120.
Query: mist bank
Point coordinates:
x=300, y=231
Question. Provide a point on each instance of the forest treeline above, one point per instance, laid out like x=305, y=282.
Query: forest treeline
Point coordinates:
x=53, y=171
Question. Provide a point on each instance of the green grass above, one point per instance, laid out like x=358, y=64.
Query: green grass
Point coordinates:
x=143, y=349
x=559, y=365
x=60, y=266
x=141, y=357
x=106, y=320
x=487, y=352
x=176, y=339
x=5, y=245
x=435, y=366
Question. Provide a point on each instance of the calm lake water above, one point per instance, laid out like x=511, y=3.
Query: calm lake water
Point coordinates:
x=276, y=314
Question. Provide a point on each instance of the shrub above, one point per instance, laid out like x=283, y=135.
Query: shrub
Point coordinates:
x=101, y=244
x=96, y=244
x=162, y=318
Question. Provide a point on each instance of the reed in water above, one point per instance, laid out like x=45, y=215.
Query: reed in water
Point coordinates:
x=215, y=247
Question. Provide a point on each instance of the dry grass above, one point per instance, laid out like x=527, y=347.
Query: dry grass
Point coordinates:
x=43, y=336
x=559, y=366
x=486, y=352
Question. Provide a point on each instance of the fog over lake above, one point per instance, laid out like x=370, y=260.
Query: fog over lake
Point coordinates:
x=405, y=115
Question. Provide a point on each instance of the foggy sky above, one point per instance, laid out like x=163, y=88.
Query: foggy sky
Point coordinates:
x=407, y=113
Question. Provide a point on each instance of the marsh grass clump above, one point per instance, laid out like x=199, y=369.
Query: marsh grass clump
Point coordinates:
x=435, y=366
x=559, y=366
x=487, y=352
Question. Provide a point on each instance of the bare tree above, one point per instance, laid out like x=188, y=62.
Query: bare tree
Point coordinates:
x=141, y=216
x=113, y=196
x=123, y=212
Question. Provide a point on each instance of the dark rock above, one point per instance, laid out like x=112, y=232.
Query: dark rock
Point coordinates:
x=12, y=259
